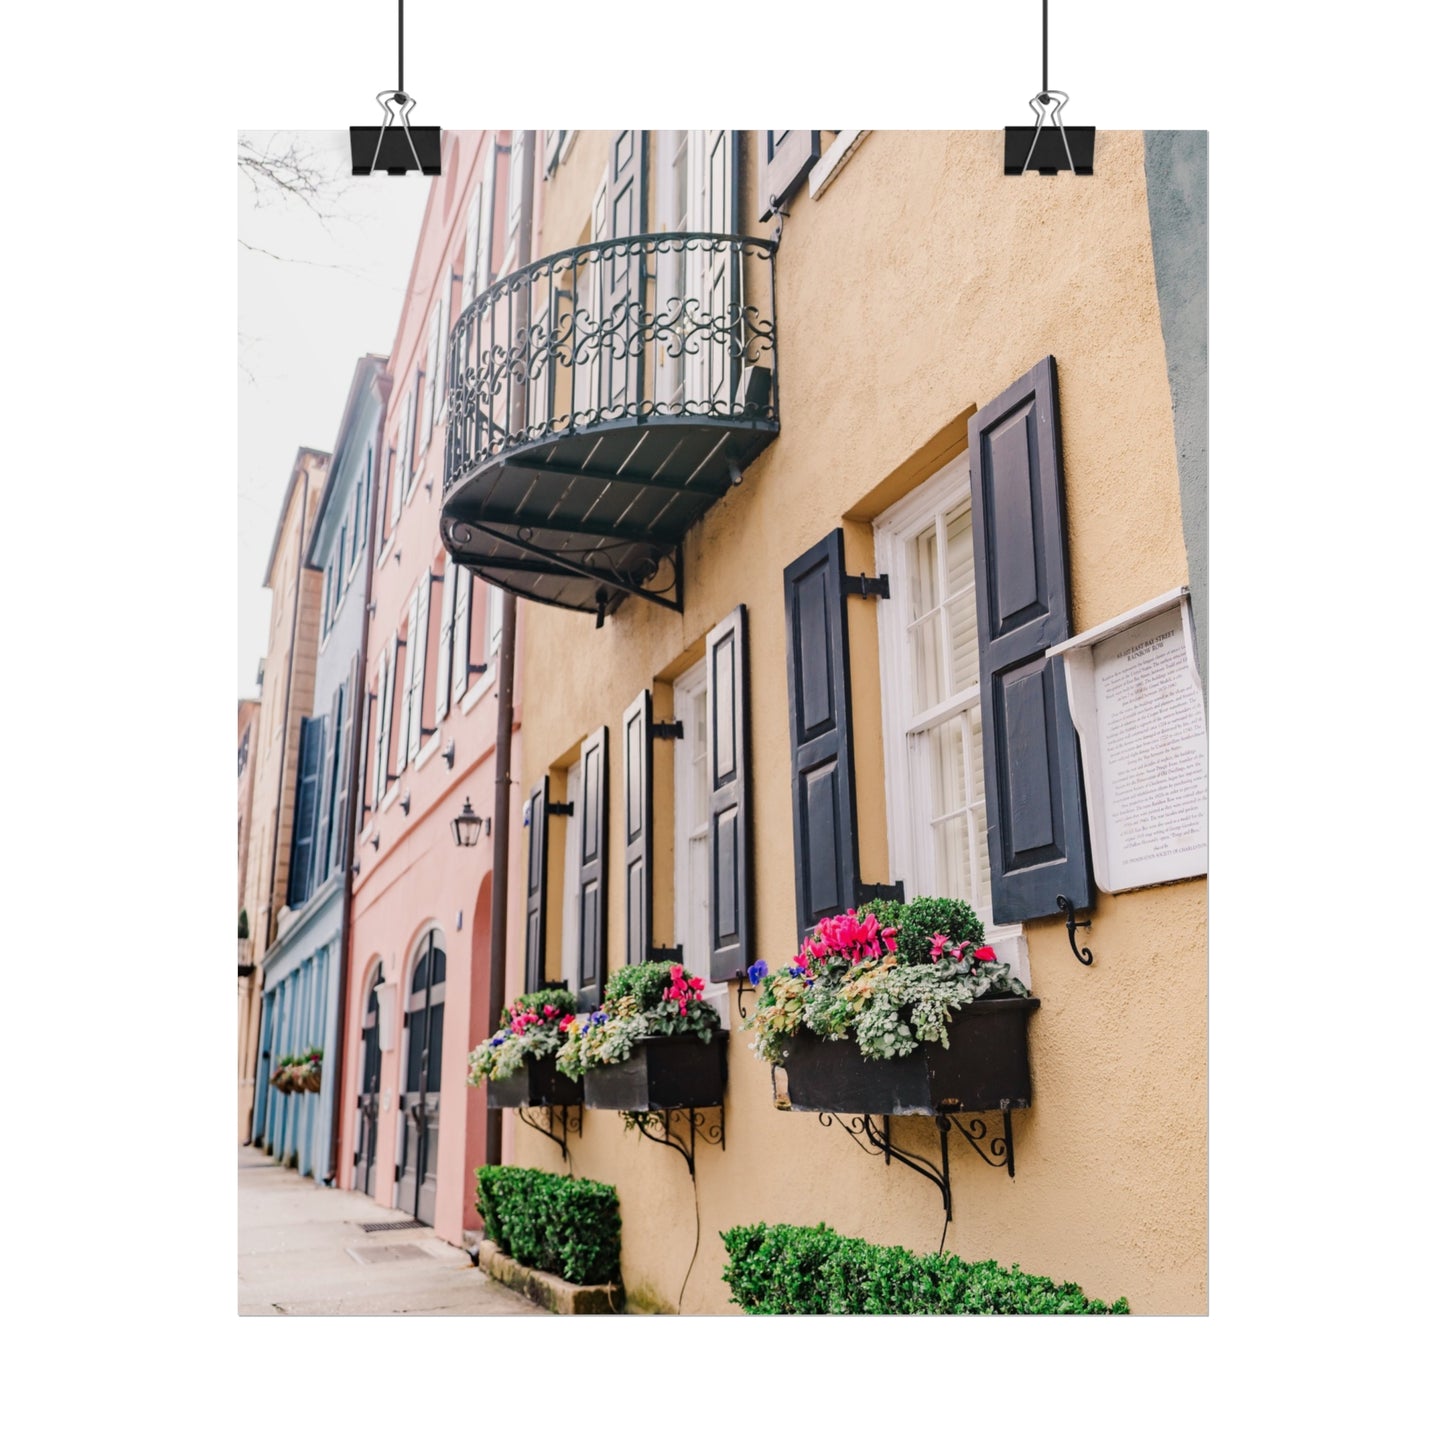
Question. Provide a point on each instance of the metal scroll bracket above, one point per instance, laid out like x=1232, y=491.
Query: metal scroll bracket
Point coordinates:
x=1066, y=907
x=551, y=1130
x=877, y=1140
x=682, y=1136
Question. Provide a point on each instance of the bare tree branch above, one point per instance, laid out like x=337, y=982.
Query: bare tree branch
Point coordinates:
x=284, y=170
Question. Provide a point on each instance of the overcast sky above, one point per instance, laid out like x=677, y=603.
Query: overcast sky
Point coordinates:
x=334, y=294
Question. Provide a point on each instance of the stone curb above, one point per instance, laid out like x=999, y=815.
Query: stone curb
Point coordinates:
x=547, y=1290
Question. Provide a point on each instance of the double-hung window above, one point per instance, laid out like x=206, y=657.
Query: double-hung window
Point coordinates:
x=932, y=703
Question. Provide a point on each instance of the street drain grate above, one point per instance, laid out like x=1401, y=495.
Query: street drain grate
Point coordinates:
x=386, y=1253
x=390, y=1224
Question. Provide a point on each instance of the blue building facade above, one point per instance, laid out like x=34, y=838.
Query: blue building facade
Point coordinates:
x=303, y=971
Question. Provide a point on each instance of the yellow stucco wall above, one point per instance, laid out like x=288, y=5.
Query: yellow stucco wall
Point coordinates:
x=916, y=288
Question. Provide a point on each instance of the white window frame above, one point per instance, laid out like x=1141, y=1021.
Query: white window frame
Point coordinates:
x=909, y=843
x=572, y=880
x=690, y=824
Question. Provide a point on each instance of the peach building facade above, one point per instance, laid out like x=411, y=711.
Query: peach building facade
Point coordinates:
x=412, y=1133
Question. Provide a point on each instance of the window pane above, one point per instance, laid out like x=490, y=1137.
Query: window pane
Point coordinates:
x=926, y=659
x=980, y=897
x=925, y=573
x=962, y=621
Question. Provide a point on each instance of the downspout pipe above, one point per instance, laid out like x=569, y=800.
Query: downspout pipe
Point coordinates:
x=506, y=679
x=353, y=799
x=266, y=937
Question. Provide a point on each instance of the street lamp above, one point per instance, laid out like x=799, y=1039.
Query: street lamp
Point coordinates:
x=467, y=826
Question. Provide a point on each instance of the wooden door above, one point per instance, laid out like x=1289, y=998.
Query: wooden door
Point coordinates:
x=421, y=1096
x=368, y=1097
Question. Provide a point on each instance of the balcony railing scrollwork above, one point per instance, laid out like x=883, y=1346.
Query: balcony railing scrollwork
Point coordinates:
x=598, y=401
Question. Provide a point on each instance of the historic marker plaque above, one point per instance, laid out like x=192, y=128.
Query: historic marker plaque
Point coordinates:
x=1138, y=708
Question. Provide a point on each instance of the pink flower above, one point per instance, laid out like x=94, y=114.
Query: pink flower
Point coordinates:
x=697, y=985
x=985, y=954
x=548, y=1010
x=566, y=1022
x=940, y=945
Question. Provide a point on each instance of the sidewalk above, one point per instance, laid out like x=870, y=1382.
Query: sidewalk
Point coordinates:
x=302, y=1251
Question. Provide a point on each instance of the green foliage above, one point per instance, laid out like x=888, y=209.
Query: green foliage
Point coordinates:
x=568, y=1227
x=243, y=926
x=531, y=1028
x=642, y=982
x=890, y=988
x=559, y=999
x=788, y=1269
x=642, y=1000
x=917, y=921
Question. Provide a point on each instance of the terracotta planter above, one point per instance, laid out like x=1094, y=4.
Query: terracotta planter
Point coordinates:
x=985, y=1066
x=667, y=1071
x=537, y=1082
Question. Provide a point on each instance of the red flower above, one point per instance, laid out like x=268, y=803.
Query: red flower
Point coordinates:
x=985, y=954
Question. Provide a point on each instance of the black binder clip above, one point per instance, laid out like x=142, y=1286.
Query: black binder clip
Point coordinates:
x=396, y=149
x=1048, y=150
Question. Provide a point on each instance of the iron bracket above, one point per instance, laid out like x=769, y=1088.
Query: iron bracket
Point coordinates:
x=560, y=810
x=864, y=586
x=659, y=1128
x=1066, y=907
x=744, y=986
x=665, y=955
x=666, y=729
x=559, y=1138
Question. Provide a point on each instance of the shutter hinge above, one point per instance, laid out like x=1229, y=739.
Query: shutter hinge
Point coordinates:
x=865, y=586
x=474, y=668
x=559, y=810
x=664, y=728
x=665, y=955
x=893, y=891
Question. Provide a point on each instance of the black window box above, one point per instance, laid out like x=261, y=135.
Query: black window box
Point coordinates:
x=666, y=1071
x=536, y=1083
x=985, y=1066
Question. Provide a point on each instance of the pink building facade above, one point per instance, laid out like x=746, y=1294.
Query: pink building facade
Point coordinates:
x=412, y=1132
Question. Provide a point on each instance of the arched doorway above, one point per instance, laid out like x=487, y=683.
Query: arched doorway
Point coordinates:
x=421, y=1096
x=368, y=1097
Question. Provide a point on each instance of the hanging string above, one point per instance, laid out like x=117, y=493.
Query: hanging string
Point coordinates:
x=1045, y=90
x=401, y=44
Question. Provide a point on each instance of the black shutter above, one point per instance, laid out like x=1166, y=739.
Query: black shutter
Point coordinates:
x=1037, y=841
x=303, y=823
x=637, y=825
x=343, y=754
x=591, y=817
x=729, y=819
x=825, y=839
x=536, y=954
x=326, y=795
x=784, y=159
x=623, y=273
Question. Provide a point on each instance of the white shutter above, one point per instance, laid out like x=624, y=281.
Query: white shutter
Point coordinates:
x=386, y=693
x=462, y=633
x=403, y=724
x=494, y=619
x=408, y=446
x=488, y=218
x=421, y=621
x=444, y=642
x=393, y=512
x=469, y=260
x=434, y=390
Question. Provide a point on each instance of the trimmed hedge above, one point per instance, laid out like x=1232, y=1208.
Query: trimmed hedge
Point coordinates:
x=568, y=1227
x=790, y=1269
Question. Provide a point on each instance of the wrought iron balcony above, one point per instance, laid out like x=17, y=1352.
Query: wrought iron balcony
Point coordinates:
x=599, y=401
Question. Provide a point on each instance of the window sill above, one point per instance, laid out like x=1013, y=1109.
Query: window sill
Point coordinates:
x=385, y=549
x=390, y=796
x=429, y=750
x=479, y=689
x=833, y=160
x=1009, y=943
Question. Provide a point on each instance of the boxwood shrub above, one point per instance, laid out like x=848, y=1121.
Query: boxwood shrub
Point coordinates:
x=789, y=1269
x=568, y=1227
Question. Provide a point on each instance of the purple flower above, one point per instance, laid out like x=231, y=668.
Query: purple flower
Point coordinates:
x=599, y=1017
x=757, y=972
